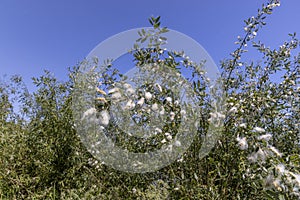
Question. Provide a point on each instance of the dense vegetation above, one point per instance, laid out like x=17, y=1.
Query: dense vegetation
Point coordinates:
x=256, y=157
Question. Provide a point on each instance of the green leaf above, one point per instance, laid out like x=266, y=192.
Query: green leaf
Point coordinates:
x=157, y=19
x=164, y=30
x=151, y=22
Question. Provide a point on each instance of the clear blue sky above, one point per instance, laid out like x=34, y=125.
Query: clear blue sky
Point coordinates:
x=56, y=34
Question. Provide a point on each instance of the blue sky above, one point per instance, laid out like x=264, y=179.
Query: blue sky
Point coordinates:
x=54, y=35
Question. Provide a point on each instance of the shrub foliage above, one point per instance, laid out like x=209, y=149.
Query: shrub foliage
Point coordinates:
x=257, y=155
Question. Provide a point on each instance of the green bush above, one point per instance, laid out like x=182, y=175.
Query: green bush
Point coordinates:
x=256, y=157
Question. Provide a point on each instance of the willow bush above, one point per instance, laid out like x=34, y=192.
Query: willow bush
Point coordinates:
x=256, y=157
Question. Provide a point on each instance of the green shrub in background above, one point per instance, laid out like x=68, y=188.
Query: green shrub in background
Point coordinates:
x=257, y=156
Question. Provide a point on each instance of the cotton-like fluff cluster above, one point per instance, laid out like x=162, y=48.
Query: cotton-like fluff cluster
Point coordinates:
x=159, y=88
x=128, y=89
x=162, y=111
x=148, y=95
x=284, y=178
x=113, y=90
x=154, y=107
x=88, y=113
x=216, y=118
x=296, y=178
x=259, y=155
x=177, y=143
x=129, y=105
x=183, y=114
x=104, y=118
x=172, y=116
x=141, y=101
x=277, y=184
x=265, y=137
x=275, y=151
x=216, y=115
x=115, y=93
x=242, y=143
x=243, y=125
x=233, y=110
x=90, y=116
x=258, y=130
x=157, y=131
x=280, y=168
x=168, y=135
x=169, y=99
